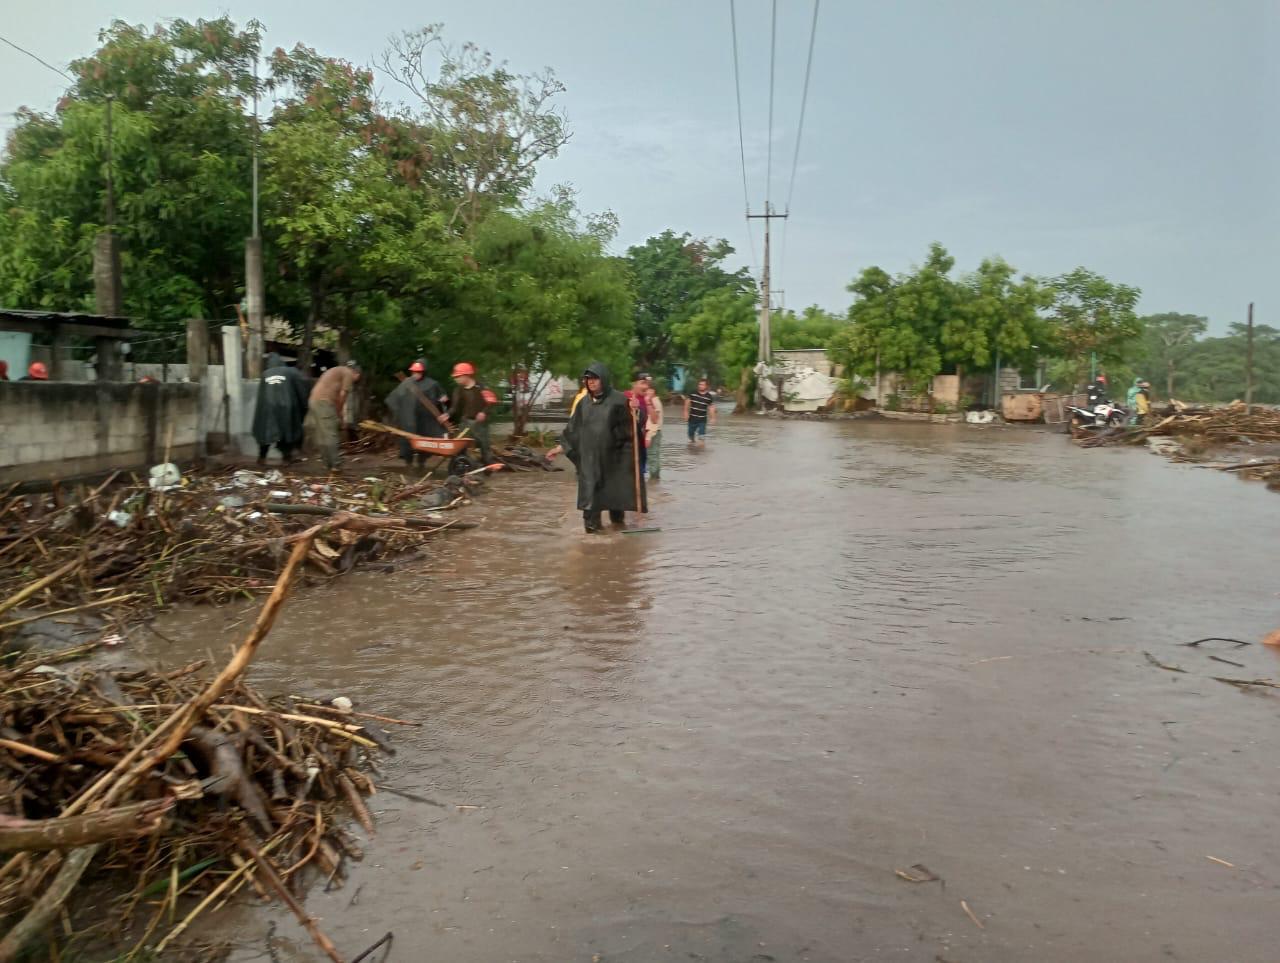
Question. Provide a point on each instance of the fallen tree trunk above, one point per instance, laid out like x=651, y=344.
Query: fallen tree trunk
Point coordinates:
x=40, y=835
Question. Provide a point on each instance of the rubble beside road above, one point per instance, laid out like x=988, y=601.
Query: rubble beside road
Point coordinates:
x=1229, y=438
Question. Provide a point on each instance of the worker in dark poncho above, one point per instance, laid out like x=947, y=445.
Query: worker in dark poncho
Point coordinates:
x=600, y=440
x=281, y=407
x=410, y=411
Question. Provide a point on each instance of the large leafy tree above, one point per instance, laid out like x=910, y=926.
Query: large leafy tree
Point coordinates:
x=897, y=323
x=1169, y=339
x=1092, y=317
x=995, y=315
x=672, y=274
x=545, y=297
x=811, y=328
x=488, y=128
x=721, y=338
x=181, y=146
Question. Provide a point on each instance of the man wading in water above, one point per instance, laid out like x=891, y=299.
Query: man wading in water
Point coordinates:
x=600, y=440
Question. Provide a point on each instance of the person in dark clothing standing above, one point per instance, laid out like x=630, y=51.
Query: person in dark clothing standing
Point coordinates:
x=282, y=404
x=410, y=412
x=600, y=440
x=470, y=407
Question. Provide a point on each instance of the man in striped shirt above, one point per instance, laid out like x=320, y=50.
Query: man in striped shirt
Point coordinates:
x=699, y=409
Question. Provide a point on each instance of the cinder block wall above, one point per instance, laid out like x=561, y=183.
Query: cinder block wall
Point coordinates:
x=64, y=430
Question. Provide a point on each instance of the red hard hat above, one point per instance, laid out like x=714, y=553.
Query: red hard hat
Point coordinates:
x=417, y=366
x=464, y=368
x=38, y=371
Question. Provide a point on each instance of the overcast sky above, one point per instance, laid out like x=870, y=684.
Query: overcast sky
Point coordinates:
x=1135, y=137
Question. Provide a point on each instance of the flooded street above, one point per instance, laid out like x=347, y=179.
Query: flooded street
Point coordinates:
x=853, y=647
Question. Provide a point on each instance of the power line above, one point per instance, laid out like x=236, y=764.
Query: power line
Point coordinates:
x=38, y=60
x=737, y=89
x=773, y=48
x=804, y=102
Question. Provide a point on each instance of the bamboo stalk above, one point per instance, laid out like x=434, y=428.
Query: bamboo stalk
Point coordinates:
x=67, y=611
x=18, y=597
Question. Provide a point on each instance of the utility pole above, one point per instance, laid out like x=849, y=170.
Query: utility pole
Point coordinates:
x=254, y=293
x=1248, y=364
x=108, y=291
x=764, y=349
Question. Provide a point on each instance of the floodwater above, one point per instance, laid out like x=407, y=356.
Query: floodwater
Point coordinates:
x=853, y=648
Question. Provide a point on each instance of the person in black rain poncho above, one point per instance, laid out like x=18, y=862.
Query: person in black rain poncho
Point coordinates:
x=600, y=441
x=281, y=407
x=409, y=413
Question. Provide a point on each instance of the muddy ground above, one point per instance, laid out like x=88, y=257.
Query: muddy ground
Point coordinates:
x=853, y=648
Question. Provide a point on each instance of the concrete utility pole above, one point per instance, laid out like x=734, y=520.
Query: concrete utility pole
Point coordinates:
x=253, y=284
x=764, y=350
x=108, y=291
x=1248, y=364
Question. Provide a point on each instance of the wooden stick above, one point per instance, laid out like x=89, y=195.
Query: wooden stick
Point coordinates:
x=357, y=715
x=18, y=597
x=39, y=835
x=46, y=907
x=75, y=608
x=24, y=749
x=273, y=878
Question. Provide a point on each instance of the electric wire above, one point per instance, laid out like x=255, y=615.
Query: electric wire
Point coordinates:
x=742, y=148
x=773, y=49
x=37, y=59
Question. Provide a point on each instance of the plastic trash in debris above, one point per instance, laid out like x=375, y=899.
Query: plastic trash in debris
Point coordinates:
x=244, y=478
x=231, y=501
x=980, y=417
x=273, y=477
x=341, y=702
x=119, y=519
x=281, y=493
x=113, y=639
x=166, y=476
x=252, y=516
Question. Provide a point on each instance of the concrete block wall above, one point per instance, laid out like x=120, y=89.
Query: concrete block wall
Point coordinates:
x=66, y=430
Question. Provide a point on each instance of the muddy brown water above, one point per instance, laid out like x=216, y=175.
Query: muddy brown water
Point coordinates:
x=854, y=647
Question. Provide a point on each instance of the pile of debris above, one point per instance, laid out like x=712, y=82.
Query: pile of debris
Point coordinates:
x=178, y=792
x=1195, y=434
x=127, y=545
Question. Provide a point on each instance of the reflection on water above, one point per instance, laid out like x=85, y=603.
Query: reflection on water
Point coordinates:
x=852, y=647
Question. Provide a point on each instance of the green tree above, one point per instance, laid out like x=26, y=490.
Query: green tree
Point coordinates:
x=671, y=275
x=996, y=316
x=811, y=328
x=487, y=127
x=1168, y=340
x=545, y=298
x=897, y=323
x=721, y=338
x=1090, y=317
x=181, y=148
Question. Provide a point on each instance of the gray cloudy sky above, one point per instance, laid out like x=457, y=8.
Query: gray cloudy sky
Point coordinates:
x=1135, y=137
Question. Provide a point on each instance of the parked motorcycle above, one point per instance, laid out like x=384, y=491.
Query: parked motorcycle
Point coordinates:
x=1102, y=415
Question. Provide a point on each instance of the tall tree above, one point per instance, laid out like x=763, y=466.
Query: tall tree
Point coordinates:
x=811, y=328
x=1169, y=339
x=488, y=128
x=181, y=150
x=721, y=338
x=672, y=273
x=995, y=314
x=1092, y=316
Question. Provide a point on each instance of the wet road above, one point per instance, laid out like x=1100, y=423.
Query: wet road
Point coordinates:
x=853, y=647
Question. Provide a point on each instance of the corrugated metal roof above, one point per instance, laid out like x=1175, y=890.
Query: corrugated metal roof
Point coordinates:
x=63, y=317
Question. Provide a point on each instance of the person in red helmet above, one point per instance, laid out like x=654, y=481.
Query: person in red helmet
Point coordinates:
x=410, y=404
x=470, y=407
x=37, y=371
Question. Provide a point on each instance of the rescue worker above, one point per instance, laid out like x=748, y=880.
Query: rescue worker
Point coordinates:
x=470, y=407
x=600, y=440
x=327, y=411
x=1098, y=390
x=281, y=408
x=36, y=371
x=410, y=404
x=1143, y=401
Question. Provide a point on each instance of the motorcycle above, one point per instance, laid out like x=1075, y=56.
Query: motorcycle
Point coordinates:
x=1102, y=415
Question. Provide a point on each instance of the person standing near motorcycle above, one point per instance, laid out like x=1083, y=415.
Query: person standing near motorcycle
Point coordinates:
x=1098, y=390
